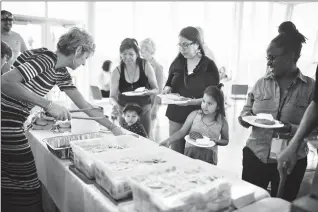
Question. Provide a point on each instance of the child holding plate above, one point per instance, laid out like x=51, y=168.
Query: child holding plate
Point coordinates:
x=207, y=128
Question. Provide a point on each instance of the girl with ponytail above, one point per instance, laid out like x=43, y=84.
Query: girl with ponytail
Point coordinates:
x=209, y=121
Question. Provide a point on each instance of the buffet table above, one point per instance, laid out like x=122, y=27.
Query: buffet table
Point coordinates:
x=70, y=193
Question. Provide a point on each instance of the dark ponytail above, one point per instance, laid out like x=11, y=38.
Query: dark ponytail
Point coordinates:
x=219, y=86
x=289, y=38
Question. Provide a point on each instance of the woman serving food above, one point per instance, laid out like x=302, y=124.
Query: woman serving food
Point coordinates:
x=35, y=73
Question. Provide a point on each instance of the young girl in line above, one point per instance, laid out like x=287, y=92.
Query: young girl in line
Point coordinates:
x=209, y=121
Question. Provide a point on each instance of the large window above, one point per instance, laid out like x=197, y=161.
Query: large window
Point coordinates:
x=305, y=17
x=259, y=26
x=36, y=8
x=31, y=34
x=67, y=10
x=219, y=35
x=113, y=22
x=153, y=20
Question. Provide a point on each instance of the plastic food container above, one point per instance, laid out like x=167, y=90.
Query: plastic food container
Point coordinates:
x=112, y=170
x=84, y=151
x=179, y=190
x=83, y=126
x=60, y=145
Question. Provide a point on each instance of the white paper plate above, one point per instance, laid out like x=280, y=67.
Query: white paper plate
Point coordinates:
x=313, y=141
x=133, y=93
x=193, y=142
x=165, y=100
x=251, y=121
x=172, y=102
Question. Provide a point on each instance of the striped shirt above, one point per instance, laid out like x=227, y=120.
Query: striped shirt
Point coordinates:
x=37, y=68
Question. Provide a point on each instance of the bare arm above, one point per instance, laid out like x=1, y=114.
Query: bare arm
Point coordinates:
x=184, y=130
x=151, y=79
x=160, y=77
x=11, y=85
x=306, y=126
x=114, y=87
x=23, y=47
x=224, y=134
x=81, y=103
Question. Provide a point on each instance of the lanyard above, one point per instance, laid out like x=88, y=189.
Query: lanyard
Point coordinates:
x=284, y=100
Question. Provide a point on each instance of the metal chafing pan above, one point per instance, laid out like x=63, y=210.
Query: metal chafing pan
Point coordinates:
x=60, y=145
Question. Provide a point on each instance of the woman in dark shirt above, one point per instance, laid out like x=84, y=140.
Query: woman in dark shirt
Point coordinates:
x=189, y=74
x=132, y=73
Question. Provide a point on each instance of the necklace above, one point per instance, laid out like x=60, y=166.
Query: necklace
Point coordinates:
x=132, y=81
x=208, y=125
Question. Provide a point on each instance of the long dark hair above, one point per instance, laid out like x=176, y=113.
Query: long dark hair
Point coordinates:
x=192, y=34
x=290, y=39
x=216, y=93
x=130, y=43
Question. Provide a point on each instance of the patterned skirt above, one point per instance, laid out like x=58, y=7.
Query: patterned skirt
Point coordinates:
x=20, y=186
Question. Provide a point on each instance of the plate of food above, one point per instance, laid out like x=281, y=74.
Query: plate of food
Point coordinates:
x=199, y=140
x=138, y=92
x=173, y=99
x=263, y=120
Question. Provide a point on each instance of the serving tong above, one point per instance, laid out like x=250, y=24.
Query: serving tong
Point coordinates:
x=88, y=118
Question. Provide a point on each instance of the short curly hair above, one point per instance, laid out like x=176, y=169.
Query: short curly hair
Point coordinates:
x=74, y=38
x=151, y=46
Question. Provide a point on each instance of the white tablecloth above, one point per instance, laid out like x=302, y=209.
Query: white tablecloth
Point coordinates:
x=71, y=194
x=267, y=205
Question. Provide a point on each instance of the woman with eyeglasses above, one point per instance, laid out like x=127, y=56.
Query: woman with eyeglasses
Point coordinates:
x=285, y=93
x=132, y=73
x=34, y=74
x=189, y=75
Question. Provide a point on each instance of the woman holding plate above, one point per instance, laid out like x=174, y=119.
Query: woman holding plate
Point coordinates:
x=133, y=73
x=284, y=93
x=189, y=75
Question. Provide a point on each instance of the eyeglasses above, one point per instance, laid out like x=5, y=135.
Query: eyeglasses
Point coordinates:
x=270, y=58
x=7, y=19
x=184, y=45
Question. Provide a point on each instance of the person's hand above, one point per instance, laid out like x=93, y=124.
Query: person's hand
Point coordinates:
x=153, y=114
x=166, y=90
x=58, y=112
x=117, y=131
x=165, y=143
x=157, y=100
x=116, y=111
x=243, y=123
x=146, y=93
x=285, y=129
x=287, y=159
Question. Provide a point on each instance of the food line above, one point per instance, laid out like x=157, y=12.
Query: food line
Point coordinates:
x=70, y=193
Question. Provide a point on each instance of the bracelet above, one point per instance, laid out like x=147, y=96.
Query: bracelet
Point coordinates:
x=48, y=106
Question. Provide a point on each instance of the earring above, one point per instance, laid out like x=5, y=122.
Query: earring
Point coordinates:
x=198, y=52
